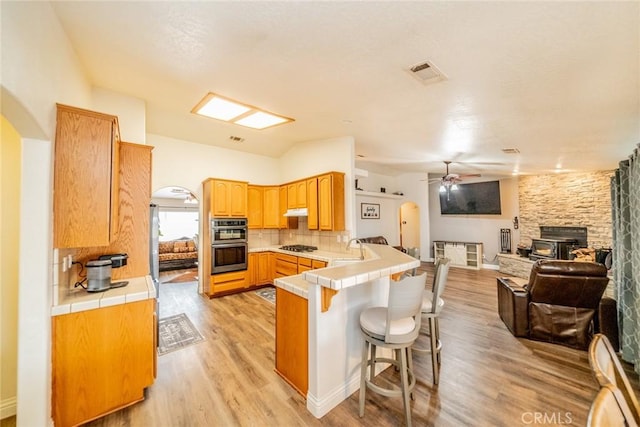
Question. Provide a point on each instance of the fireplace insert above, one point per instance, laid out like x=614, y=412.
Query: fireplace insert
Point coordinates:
x=557, y=242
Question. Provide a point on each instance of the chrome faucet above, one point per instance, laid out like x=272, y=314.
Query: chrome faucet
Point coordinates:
x=361, y=247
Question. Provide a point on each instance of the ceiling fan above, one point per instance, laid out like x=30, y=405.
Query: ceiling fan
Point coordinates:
x=449, y=180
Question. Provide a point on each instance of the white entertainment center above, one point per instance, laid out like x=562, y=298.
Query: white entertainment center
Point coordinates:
x=461, y=254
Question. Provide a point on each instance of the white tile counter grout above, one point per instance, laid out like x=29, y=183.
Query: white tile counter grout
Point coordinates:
x=138, y=289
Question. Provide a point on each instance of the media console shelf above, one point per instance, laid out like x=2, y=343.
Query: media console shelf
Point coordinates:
x=461, y=254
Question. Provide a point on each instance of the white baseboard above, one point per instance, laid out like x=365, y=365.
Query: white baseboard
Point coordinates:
x=491, y=266
x=8, y=408
x=320, y=407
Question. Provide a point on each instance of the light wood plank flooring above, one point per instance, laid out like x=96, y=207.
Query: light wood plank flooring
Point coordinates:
x=488, y=377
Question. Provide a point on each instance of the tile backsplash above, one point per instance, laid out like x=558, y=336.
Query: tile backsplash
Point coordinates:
x=324, y=240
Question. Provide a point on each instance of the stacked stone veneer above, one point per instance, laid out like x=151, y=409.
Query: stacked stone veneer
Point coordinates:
x=572, y=199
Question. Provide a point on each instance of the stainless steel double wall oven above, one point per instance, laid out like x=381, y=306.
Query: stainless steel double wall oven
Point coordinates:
x=229, y=250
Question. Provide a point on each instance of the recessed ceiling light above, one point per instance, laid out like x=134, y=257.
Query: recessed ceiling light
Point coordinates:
x=260, y=120
x=225, y=109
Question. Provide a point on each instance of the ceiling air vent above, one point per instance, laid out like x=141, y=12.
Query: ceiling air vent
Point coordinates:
x=426, y=73
x=236, y=138
x=510, y=151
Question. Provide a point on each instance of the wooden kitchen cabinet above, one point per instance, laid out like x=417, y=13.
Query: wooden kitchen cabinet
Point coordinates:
x=331, y=201
x=285, y=222
x=259, y=269
x=102, y=360
x=285, y=265
x=292, y=336
x=228, y=283
x=255, y=206
x=271, y=207
x=297, y=194
x=85, y=178
x=312, y=203
x=263, y=206
x=133, y=223
x=228, y=198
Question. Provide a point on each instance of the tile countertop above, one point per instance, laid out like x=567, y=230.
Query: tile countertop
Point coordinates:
x=317, y=255
x=381, y=261
x=138, y=289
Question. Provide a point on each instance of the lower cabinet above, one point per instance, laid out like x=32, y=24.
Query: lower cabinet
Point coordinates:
x=292, y=336
x=227, y=283
x=102, y=359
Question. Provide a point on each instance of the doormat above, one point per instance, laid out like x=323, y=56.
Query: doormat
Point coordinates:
x=176, y=332
x=267, y=293
x=189, y=276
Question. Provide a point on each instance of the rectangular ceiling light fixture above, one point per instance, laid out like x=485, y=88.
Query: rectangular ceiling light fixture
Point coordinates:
x=225, y=109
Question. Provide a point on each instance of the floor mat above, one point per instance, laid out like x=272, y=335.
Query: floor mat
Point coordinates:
x=267, y=293
x=176, y=332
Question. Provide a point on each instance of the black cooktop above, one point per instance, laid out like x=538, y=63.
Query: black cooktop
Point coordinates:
x=299, y=248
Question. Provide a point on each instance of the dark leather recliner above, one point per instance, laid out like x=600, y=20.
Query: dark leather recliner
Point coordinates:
x=557, y=305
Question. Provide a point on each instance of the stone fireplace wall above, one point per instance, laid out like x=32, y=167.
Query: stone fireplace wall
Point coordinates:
x=571, y=199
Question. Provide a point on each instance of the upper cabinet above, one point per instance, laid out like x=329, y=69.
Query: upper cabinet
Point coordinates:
x=228, y=198
x=271, y=207
x=85, y=181
x=312, y=203
x=263, y=206
x=331, y=201
x=297, y=195
x=285, y=222
x=255, y=206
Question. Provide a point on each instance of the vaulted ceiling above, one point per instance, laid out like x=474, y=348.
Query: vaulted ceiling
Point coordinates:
x=558, y=81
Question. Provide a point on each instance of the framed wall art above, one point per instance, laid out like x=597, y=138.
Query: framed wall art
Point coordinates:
x=369, y=211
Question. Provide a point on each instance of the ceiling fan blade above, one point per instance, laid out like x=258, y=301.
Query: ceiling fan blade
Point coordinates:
x=470, y=175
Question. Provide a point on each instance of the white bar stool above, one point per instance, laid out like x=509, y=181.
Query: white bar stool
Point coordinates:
x=395, y=327
x=432, y=304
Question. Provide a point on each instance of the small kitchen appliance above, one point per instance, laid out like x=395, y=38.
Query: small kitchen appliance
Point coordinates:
x=98, y=275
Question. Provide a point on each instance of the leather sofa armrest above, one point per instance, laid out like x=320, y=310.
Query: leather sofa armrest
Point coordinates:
x=513, y=306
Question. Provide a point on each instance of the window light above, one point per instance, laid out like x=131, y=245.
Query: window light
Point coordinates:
x=225, y=109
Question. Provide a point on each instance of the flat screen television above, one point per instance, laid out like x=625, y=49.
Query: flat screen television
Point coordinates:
x=478, y=198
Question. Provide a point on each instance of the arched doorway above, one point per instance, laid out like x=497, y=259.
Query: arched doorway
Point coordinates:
x=175, y=235
x=410, y=228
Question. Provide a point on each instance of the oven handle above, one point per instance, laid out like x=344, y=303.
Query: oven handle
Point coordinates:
x=229, y=244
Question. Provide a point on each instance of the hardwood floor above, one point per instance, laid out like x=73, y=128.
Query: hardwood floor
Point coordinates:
x=488, y=377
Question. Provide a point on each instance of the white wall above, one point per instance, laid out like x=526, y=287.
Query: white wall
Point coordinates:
x=388, y=225
x=186, y=164
x=315, y=157
x=39, y=68
x=131, y=113
x=484, y=229
x=416, y=190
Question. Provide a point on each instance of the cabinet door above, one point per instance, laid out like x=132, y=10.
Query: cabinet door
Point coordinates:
x=301, y=194
x=325, y=202
x=292, y=198
x=271, y=207
x=85, y=182
x=255, y=206
x=238, y=199
x=331, y=201
x=220, y=198
x=292, y=342
x=285, y=222
x=103, y=358
x=263, y=276
x=312, y=203
x=252, y=269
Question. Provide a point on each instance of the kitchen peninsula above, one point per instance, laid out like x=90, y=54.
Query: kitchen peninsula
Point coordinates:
x=335, y=296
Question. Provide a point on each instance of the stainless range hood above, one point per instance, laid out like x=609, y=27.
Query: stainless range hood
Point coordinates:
x=297, y=212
